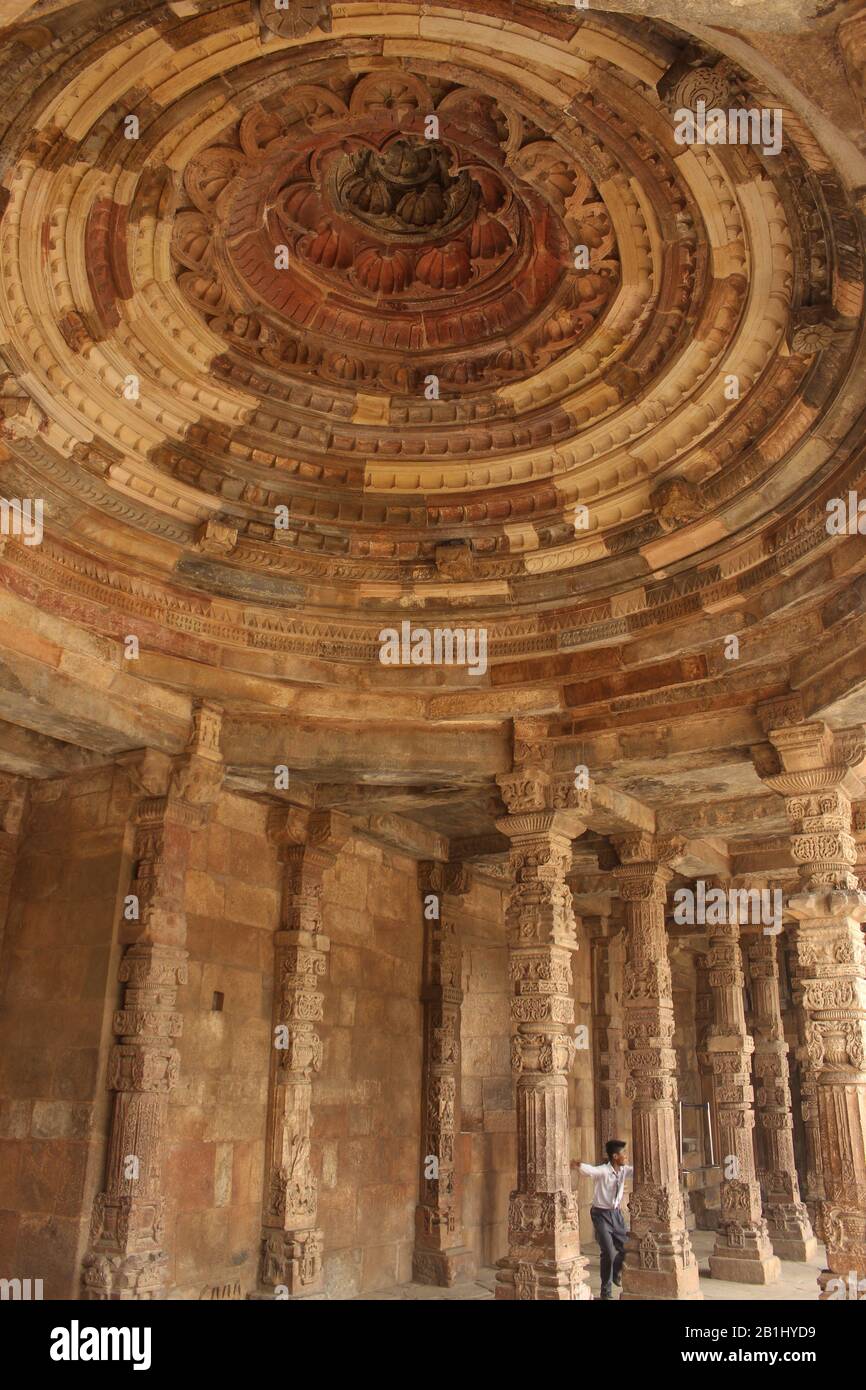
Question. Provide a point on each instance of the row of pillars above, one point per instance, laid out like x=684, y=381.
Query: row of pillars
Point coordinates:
x=127, y=1259
x=815, y=770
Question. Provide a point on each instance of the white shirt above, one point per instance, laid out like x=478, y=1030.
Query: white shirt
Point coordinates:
x=609, y=1183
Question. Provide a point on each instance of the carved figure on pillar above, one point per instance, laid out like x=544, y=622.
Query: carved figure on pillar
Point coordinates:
x=292, y=1245
x=786, y=1216
x=742, y=1249
x=544, y=1260
x=818, y=772
x=126, y=1258
x=440, y=1257
x=659, y=1260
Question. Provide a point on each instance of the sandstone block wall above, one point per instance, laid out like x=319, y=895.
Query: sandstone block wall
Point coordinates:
x=57, y=994
x=366, y=1139
x=216, y=1123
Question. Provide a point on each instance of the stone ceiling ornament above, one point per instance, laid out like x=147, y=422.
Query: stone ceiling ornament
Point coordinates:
x=711, y=85
x=293, y=19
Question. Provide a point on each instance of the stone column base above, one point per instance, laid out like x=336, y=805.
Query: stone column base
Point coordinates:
x=545, y=1281
x=841, y=1288
x=444, y=1268
x=746, y=1267
x=660, y=1265
x=291, y=1265
x=269, y=1296
x=124, y=1278
x=794, y=1247
x=648, y=1284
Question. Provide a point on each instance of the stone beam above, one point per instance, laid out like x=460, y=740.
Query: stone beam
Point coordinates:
x=407, y=836
x=29, y=754
x=331, y=751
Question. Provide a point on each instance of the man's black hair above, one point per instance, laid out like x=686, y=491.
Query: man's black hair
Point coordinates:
x=613, y=1146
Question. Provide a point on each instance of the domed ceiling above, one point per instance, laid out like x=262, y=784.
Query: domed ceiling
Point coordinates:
x=318, y=318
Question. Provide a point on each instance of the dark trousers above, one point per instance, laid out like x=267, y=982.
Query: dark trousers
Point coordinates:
x=610, y=1232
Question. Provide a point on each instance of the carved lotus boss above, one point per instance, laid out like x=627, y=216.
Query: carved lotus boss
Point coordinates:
x=457, y=249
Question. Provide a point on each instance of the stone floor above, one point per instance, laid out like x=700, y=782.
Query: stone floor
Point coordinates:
x=797, y=1284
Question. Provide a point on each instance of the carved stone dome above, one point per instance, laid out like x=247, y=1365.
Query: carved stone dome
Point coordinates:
x=363, y=291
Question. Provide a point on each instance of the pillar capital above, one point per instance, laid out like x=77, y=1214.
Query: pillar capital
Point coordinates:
x=437, y=876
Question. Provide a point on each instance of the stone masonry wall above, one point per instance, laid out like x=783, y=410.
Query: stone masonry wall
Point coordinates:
x=367, y=1098
x=57, y=994
x=216, y=1124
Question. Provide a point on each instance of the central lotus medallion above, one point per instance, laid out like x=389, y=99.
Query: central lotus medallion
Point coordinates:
x=408, y=190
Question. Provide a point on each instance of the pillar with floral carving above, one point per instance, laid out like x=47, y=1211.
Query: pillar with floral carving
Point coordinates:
x=292, y=1245
x=440, y=1257
x=659, y=1259
x=786, y=1215
x=126, y=1258
x=544, y=1260
x=742, y=1251
x=819, y=771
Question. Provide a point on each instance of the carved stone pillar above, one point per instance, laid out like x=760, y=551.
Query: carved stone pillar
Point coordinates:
x=659, y=1260
x=815, y=769
x=126, y=1257
x=440, y=1257
x=544, y=1260
x=606, y=1038
x=785, y=1214
x=13, y=800
x=742, y=1251
x=292, y=1246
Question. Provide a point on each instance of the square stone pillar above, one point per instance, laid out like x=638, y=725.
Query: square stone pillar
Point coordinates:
x=292, y=1244
x=126, y=1258
x=440, y=1257
x=818, y=771
x=742, y=1251
x=659, y=1260
x=786, y=1216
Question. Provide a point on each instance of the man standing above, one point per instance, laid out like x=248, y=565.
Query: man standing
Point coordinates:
x=606, y=1211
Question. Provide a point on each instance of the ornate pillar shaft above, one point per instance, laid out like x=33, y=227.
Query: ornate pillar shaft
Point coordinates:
x=440, y=1256
x=815, y=768
x=544, y=1260
x=742, y=1250
x=292, y=1246
x=659, y=1260
x=607, y=1039
x=785, y=1214
x=126, y=1257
